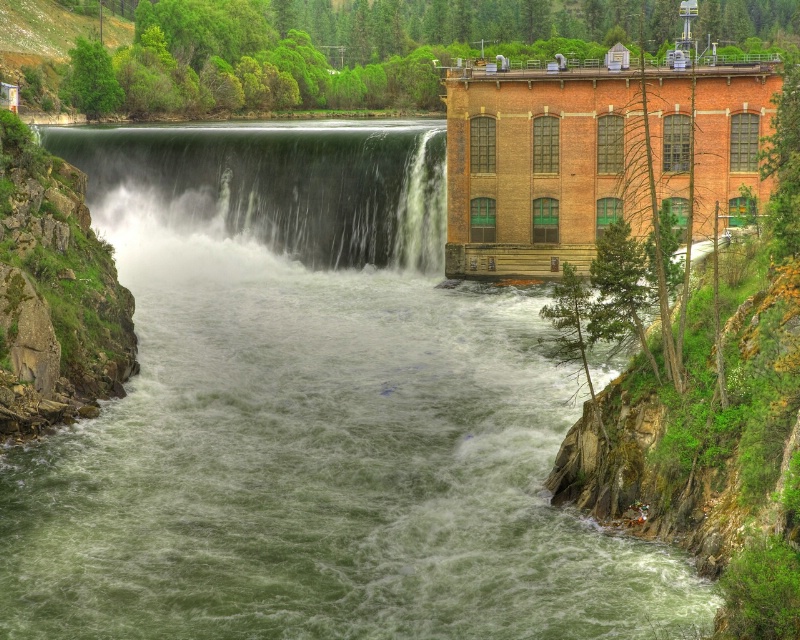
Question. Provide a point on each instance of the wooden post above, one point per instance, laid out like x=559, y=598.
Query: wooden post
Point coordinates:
x=723, y=391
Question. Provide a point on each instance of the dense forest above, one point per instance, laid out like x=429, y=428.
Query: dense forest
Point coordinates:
x=200, y=58
x=362, y=31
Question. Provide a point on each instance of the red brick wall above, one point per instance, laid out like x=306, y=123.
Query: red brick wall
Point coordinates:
x=578, y=102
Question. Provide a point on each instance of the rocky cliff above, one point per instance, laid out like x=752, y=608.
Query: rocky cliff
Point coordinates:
x=710, y=486
x=66, y=328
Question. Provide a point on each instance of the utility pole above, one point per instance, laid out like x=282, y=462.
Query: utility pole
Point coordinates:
x=340, y=48
x=100, y=2
x=481, y=41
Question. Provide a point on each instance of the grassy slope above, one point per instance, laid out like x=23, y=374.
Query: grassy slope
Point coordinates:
x=44, y=28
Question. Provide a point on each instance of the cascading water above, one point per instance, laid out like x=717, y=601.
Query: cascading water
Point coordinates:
x=422, y=211
x=350, y=454
x=331, y=197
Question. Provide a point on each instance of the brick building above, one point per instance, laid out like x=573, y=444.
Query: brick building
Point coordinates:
x=540, y=160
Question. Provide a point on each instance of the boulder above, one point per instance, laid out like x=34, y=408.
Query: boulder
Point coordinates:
x=84, y=217
x=61, y=201
x=25, y=318
x=76, y=178
x=53, y=411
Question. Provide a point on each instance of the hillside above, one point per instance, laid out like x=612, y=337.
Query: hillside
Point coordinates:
x=34, y=29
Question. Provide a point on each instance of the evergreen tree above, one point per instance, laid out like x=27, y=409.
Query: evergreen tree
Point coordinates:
x=436, y=23
x=664, y=25
x=782, y=157
x=461, y=17
x=594, y=13
x=670, y=235
x=710, y=21
x=359, y=40
x=736, y=23
x=323, y=22
x=389, y=35
x=625, y=13
x=92, y=84
x=623, y=296
x=506, y=18
x=568, y=26
x=285, y=16
x=569, y=314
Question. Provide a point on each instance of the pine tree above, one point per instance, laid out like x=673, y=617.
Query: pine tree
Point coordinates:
x=285, y=16
x=669, y=243
x=736, y=23
x=710, y=21
x=594, y=13
x=461, y=20
x=568, y=314
x=359, y=40
x=624, y=13
x=436, y=23
x=664, y=21
x=623, y=296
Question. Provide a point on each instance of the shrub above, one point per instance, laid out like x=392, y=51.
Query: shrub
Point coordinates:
x=791, y=489
x=762, y=591
x=14, y=133
x=7, y=190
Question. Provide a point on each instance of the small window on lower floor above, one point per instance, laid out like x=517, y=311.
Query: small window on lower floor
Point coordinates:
x=741, y=212
x=680, y=209
x=483, y=220
x=545, y=221
x=609, y=210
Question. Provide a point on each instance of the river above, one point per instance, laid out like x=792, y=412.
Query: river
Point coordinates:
x=321, y=443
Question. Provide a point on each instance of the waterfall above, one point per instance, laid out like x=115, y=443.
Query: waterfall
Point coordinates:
x=333, y=195
x=422, y=212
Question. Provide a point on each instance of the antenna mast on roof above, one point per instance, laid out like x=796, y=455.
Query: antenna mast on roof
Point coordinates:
x=689, y=13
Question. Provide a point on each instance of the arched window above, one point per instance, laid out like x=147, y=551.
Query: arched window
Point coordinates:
x=741, y=211
x=744, y=142
x=680, y=209
x=482, y=145
x=483, y=220
x=545, y=220
x=608, y=210
x=610, y=151
x=545, y=144
x=677, y=139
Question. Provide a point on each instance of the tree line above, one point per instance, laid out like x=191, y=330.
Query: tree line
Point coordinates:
x=371, y=31
x=200, y=58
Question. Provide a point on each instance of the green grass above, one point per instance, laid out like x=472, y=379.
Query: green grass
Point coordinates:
x=48, y=29
x=764, y=402
x=762, y=591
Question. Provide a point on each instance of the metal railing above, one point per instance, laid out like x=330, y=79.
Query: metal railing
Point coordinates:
x=468, y=68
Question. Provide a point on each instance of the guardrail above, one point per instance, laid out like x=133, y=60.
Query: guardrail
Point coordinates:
x=468, y=68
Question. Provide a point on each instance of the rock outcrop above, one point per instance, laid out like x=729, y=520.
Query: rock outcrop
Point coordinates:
x=66, y=328
x=25, y=319
x=622, y=484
